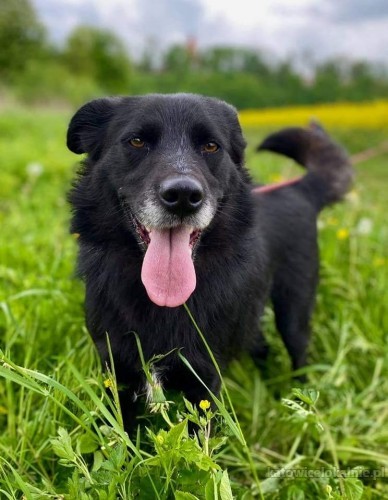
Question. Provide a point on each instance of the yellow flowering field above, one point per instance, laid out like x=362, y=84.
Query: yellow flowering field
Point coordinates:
x=371, y=115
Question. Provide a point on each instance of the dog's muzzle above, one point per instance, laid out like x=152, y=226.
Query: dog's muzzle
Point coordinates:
x=169, y=225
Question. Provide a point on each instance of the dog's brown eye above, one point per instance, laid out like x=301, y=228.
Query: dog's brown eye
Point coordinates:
x=210, y=147
x=136, y=142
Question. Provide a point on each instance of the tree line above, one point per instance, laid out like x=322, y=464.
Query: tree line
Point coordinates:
x=94, y=61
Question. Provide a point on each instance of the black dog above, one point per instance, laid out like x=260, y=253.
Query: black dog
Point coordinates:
x=166, y=215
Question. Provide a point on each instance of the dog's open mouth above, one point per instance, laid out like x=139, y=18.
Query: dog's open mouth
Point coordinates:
x=168, y=272
x=144, y=234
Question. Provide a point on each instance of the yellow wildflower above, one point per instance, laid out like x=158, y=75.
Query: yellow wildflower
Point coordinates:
x=108, y=383
x=204, y=404
x=343, y=234
x=379, y=261
x=160, y=439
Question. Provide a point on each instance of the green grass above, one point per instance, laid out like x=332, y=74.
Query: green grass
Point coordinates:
x=59, y=438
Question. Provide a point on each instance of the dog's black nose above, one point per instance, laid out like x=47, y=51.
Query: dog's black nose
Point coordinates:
x=181, y=195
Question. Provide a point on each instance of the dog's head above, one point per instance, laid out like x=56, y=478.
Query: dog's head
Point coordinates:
x=168, y=160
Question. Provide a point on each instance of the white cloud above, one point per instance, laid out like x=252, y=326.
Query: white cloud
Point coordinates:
x=324, y=28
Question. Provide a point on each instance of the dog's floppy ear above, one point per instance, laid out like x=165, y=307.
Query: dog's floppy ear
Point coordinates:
x=237, y=141
x=88, y=126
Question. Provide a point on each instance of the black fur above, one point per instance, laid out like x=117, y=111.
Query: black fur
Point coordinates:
x=256, y=246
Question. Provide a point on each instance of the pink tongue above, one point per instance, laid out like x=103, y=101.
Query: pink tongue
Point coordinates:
x=168, y=272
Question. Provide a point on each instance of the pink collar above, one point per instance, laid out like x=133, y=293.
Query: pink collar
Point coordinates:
x=273, y=187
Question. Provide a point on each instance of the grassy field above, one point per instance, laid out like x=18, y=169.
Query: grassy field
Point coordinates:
x=58, y=437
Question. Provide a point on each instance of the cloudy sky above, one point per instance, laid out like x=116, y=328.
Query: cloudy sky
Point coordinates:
x=356, y=29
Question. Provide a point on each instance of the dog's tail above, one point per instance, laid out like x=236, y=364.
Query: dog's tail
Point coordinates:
x=329, y=172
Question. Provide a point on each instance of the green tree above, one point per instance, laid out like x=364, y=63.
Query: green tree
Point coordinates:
x=286, y=85
x=232, y=59
x=363, y=83
x=177, y=59
x=100, y=55
x=22, y=37
x=329, y=81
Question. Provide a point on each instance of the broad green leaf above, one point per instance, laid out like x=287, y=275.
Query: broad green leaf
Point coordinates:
x=176, y=433
x=86, y=444
x=182, y=495
x=225, y=488
x=211, y=489
x=62, y=445
x=308, y=396
x=98, y=459
x=353, y=488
